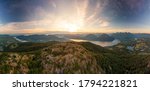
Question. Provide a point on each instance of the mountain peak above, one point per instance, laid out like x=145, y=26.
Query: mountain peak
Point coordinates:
x=68, y=58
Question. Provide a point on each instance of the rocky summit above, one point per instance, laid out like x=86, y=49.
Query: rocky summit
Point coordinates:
x=59, y=58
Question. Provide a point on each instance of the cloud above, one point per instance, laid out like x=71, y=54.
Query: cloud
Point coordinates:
x=20, y=27
x=50, y=14
x=54, y=4
x=81, y=10
x=104, y=23
x=80, y=13
x=94, y=16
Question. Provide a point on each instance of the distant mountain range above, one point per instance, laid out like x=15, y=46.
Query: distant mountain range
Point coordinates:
x=102, y=37
x=123, y=36
x=39, y=38
x=90, y=37
x=6, y=40
x=111, y=37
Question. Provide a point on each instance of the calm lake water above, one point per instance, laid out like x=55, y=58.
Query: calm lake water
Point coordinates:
x=103, y=44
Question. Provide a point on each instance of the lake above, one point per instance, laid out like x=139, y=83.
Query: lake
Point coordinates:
x=103, y=44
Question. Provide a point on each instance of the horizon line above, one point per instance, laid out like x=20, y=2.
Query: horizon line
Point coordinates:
x=70, y=33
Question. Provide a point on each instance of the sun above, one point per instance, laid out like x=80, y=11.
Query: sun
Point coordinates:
x=70, y=27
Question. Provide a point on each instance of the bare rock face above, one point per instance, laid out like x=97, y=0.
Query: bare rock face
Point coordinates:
x=68, y=58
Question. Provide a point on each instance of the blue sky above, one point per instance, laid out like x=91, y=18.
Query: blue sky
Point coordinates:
x=82, y=15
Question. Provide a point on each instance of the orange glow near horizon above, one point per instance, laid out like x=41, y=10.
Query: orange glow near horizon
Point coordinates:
x=76, y=16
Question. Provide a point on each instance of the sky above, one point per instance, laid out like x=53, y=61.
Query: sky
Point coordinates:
x=45, y=16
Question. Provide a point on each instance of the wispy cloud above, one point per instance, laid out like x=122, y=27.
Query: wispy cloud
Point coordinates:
x=85, y=14
x=104, y=23
x=49, y=19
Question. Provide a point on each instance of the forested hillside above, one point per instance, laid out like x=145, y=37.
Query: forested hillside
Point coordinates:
x=71, y=57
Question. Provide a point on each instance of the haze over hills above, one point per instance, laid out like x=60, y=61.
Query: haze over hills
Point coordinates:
x=39, y=38
x=105, y=37
x=124, y=36
x=102, y=37
x=131, y=55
